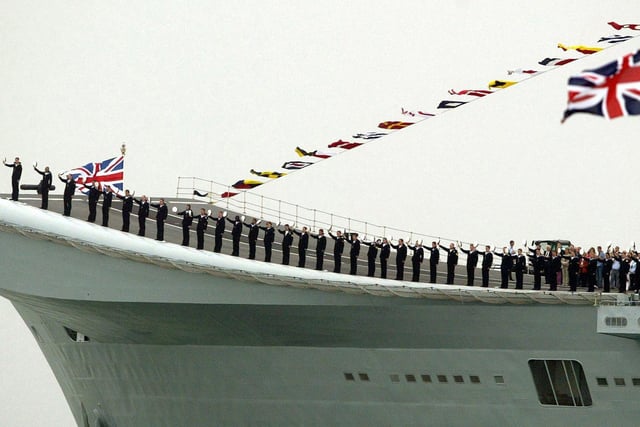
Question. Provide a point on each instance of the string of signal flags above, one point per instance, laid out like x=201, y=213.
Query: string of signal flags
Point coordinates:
x=585, y=96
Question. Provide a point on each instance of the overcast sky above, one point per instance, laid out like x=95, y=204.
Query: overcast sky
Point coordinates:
x=213, y=89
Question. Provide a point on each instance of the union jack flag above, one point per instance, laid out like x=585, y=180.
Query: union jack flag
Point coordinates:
x=611, y=91
x=108, y=172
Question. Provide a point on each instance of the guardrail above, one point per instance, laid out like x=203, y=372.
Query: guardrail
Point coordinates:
x=279, y=211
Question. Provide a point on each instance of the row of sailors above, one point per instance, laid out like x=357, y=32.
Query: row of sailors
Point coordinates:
x=595, y=268
x=609, y=269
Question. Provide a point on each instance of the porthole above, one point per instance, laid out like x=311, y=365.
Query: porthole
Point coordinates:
x=616, y=322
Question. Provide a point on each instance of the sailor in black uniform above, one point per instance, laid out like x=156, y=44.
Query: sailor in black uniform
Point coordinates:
x=15, y=177
x=573, y=268
x=203, y=220
x=416, y=260
x=321, y=245
x=538, y=263
x=338, y=248
x=143, y=213
x=187, y=220
x=303, y=244
x=385, y=253
x=372, y=253
x=107, y=199
x=69, y=191
x=452, y=261
x=287, y=241
x=434, y=258
x=127, y=207
x=93, y=196
x=253, y=237
x=401, y=257
x=555, y=265
x=487, y=262
x=161, y=217
x=269, y=237
x=472, y=262
x=217, y=247
x=45, y=185
x=236, y=232
x=505, y=267
x=353, y=253
x=520, y=265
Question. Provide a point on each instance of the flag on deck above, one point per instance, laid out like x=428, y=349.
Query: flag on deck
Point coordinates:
x=344, y=144
x=617, y=26
x=107, y=172
x=296, y=165
x=552, y=62
x=199, y=193
x=500, y=84
x=471, y=92
x=227, y=194
x=268, y=174
x=612, y=90
x=245, y=184
x=369, y=135
x=450, y=104
x=587, y=50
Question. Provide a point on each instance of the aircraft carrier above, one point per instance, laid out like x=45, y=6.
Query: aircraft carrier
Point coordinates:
x=146, y=333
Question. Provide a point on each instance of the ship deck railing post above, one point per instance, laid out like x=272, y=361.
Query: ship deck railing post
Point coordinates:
x=279, y=211
x=244, y=202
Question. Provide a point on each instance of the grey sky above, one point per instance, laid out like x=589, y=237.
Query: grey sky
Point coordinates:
x=213, y=89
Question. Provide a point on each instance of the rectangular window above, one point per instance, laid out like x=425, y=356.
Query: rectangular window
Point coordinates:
x=560, y=382
x=425, y=378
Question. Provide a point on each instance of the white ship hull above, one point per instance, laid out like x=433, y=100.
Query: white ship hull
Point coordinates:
x=202, y=339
